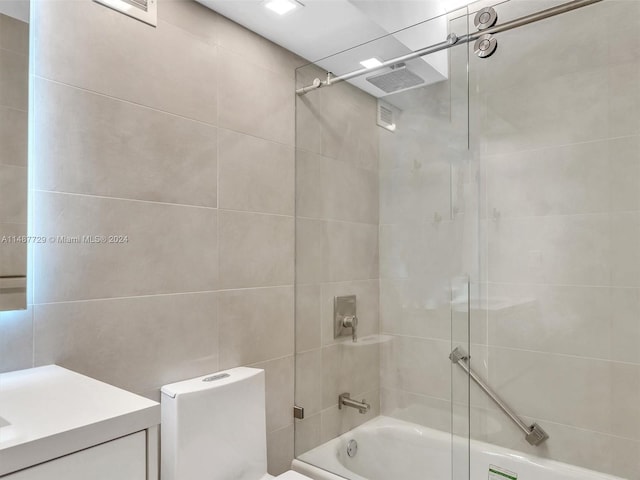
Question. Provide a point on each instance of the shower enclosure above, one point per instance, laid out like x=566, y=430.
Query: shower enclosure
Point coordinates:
x=481, y=201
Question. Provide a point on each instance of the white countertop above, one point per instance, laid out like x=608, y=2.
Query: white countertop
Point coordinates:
x=47, y=412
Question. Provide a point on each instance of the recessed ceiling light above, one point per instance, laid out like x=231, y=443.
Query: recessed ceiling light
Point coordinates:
x=281, y=6
x=371, y=62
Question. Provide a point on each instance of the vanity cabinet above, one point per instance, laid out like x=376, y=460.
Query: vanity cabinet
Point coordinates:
x=56, y=424
x=121, y=459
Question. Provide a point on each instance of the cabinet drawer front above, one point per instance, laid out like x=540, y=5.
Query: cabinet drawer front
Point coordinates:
x=121, y=459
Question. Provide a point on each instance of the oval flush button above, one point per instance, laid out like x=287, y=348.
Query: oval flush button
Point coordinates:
x=213, y=378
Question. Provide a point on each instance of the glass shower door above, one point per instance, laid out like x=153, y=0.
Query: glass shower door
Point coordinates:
x=555, y=123
x=386, y=211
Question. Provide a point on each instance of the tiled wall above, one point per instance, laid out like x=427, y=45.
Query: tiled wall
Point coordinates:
x=336, y=254
x=14, y=89
x=164, y=135
x=180, y=137
x=557, y=126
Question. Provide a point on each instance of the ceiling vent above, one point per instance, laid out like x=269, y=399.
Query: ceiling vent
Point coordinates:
x=144, y=10
x=386, y=116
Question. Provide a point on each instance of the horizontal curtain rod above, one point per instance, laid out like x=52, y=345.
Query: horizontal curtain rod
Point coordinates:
x=451, y=41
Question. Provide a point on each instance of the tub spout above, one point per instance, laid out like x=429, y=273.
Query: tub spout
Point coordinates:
x=346, y=400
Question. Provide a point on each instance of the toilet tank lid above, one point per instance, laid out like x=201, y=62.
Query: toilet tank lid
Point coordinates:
x=212, y=380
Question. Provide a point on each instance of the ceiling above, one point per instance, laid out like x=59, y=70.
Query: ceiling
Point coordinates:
x=15, y=8
x=322, y=28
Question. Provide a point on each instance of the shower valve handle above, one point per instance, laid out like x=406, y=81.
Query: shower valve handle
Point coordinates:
x=351, y=321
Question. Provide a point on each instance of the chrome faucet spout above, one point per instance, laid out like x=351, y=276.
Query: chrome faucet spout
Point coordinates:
x=346, y=400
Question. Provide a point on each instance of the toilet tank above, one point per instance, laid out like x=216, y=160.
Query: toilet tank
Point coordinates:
x=213, y=427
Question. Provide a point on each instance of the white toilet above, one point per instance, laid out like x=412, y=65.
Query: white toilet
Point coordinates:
x=213, y=428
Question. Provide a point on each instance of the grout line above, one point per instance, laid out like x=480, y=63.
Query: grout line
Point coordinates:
x=282, y=215
x=336, y=282
x=563, y=215
x=331, y=220
x=485, y=156
x=14, y=109
x=564, y=285
x=200, y=292
x=555, y=354
x=275, y=359
x=155, y=202
x=586, y=286
x=125, y=199
x=123, y=100
x=548, y=421
x=489, y=346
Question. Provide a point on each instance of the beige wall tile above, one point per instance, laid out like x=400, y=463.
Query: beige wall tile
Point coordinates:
x=280, y=450
x=526, y=117
x=586, y=321
x=170, y=249
x=308, y=388
x=308, y=111
x=255, y=100
x=138, y=344
x=14, y=80
x=408, y=306
x=97, y=145
x=431, y=250
x=411, y=195
x=308, y=325
x=14, y=35
x=255, y=325
x=16, y=340
x=427, y=411
x=279, y=375
x=13, y=137
x=349, y=130
x=534, y=250
x=255, y=249
x=585, y=393
x=192, y=17
x=13, y=185
x=594, y=177
x=624, y=325
x=255, y=175
x=334, y=189
x=163, y=68
x=257, y=49
x=625, y=251
x=13, y=255
x=307, y=433
x=352, y=251
x=416, y=365
x=626, y=457
x=311, y=251
x=349, y=367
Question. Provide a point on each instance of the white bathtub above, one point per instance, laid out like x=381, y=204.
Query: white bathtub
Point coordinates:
x=390, y=449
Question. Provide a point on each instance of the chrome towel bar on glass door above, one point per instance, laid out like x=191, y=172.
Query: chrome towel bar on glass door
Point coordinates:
x=534, y=434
